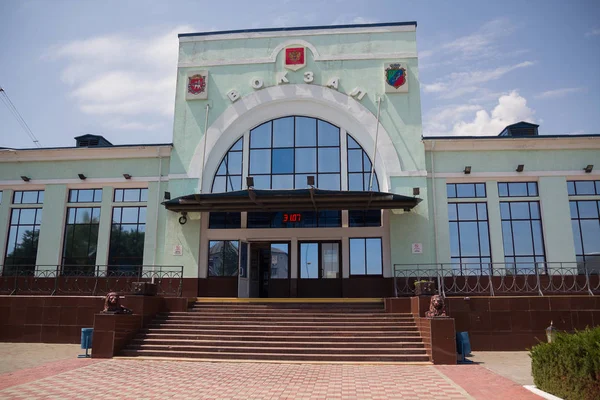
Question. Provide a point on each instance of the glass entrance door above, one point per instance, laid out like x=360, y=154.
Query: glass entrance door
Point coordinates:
x=269, y=269
x=319, y=269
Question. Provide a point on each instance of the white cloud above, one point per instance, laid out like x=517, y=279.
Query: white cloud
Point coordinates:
x=593, y=32
x=459, y=120
x=557, y=93
x=460, y=83
x=347, y=19
x=120, y=76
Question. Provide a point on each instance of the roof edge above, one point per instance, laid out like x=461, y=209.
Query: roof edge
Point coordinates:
x=509, y=137
x=299, y=28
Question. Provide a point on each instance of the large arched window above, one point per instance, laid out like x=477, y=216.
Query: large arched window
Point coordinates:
x=283, y=152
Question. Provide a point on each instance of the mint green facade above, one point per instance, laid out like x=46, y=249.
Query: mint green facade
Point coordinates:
x=361, y=105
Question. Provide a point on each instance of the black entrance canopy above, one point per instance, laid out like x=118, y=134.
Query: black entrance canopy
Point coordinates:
x=290, y=200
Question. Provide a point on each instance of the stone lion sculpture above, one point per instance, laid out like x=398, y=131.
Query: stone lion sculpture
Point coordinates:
x=437, y=308
x=112, y=305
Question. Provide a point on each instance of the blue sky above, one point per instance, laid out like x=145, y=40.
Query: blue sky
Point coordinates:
x=108, y=67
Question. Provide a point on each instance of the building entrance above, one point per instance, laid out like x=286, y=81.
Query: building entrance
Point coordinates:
x=269, y=266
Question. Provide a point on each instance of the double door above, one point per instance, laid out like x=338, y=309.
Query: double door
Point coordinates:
x=319, y=269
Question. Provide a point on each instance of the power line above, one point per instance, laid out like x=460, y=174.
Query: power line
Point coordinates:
x=11, y=107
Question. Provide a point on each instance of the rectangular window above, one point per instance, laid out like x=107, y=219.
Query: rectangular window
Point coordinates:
x=225, y=220
x=223, y=258
x=295, y=219
x=522, y=235
x=465, y=190
x=583, y=188
x=517, y=189
x=22, y=244
x=131, y=195
x=469, y=237
x=28, y=197
x=85, y=195
x=126, y=252
x=280, y=260
x=362, y=218
x=366, y=256
x=81, y=241
x=585, y=220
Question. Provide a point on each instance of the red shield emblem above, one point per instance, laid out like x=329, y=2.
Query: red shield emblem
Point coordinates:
x=196, y=84
x=295, y=58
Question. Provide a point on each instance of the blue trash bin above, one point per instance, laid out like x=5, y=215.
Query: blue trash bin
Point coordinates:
x=86, y=340
x=463, y=345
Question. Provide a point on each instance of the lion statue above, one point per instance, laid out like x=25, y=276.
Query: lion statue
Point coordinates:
x=112, y=305
x=437, y=308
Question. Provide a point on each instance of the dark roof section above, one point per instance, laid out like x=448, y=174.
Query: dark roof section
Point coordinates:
x=300, y=28
x=75, y=147
x=520, y=129
x=90, y=140
x=290, y=200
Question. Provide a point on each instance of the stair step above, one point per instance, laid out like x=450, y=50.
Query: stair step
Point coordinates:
x=411, y=337
x=280, y=356
x=334, y=317
x=275, y=322
x=280, y=328
x=342, y=344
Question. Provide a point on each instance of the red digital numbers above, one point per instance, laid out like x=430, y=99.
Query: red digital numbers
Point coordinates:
x=296, y=217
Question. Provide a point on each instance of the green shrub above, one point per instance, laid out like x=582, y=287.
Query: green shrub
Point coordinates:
x=570, y=366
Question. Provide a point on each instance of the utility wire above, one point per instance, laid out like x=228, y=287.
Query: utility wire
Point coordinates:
x=11, y=107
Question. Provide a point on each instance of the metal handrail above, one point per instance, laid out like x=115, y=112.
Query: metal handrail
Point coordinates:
x=88, y=279
x=494, y=279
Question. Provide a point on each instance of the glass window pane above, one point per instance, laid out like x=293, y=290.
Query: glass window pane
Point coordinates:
x=502, y=189
x=534, y=207
x=83, y=216
x=282, y=182
x=261, y=136
x=142, y=215
x=143, y=194
x=72, y=196
x=222, y=167
x=452, y=213
x=538, y=242
x=117, y=215
x=366, y=162
x=519, y=210
x=454, y=242
x=118, y=195
x=590, y=231
x=86, y=196
x=505, y=210
x=577, y=237
x=451, y=190
x=573, y=209
x=300, y=181
x=130, y=214
x=231, y=258
x=309, y=260
x=532, y=188
x=484, y=238
x=481, y=211
x=30, y=197
x=522, y=238
x=262, y=182
x=279, y=260
x=355, y=182
x=355, y=160
x=330, y=260
x=329, y=219
x=97, y=195
x=306, y=160
x=131, y=195
x=571, y=188
x=469, y=239
x=283, y=132
x=357, y=257
x=329, y=160
x=328, y=181
x=374, y=258
x=465, y=190
x=467, y=212
x=219, y=184
x=507, y=238
x=306, y=132
x=587, y=209
x=283, y=161
x=27, y=216
x=234, y=182
x=480, y=189
x=238, y=146
x=329, y=135
x=18, y=198
x=585, y=187
x=260, y=162
x=517, y=189
x=215, y=257
x=352, y=144
x=234, y=163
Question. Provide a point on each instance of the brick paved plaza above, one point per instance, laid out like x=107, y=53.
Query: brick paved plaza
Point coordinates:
x=71, y=378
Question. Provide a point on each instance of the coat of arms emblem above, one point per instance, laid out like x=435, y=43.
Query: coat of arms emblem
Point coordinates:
x=197, y=85
x=295, y=58
x=396, y=79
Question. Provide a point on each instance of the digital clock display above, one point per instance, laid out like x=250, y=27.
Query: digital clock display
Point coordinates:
x=288, y=218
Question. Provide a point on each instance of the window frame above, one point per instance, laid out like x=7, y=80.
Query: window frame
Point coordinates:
x=208, y=258
x=113, y=268
x=30, y=268
x=88, y=269
x=366, y=274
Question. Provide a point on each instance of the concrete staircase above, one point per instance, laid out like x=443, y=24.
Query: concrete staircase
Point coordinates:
x=303, y=332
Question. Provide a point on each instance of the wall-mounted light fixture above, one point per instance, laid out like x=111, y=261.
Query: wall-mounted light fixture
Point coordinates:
x=81, y=176
x=520, y=167
x=167, y=196
x=250, y=181
x=416, y=191
x=25, y=178
x=183, y=218
x=310, y=180
x=126, y=176
x=589, y=168
x=467, y=170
